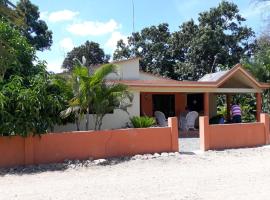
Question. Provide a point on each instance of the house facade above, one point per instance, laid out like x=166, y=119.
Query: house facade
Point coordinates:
x=152, y=93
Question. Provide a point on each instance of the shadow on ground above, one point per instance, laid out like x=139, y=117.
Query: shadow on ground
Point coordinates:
x=68, y=164
x=187, y=153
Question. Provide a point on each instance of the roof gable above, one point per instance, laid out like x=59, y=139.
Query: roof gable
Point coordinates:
x=238, y=75
x=233, y=78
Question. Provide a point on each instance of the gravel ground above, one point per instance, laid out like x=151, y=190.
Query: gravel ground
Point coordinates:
x=189, y=145
x=240, y=174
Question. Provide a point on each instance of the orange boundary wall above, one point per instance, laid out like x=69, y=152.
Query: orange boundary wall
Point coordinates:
x=57, y=147
x=223, y=136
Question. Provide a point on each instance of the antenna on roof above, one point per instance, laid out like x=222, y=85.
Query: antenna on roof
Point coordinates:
x=133, y=25
x=215, y=58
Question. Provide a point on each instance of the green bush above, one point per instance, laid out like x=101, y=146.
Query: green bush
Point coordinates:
x=142, y=122
x=222, y=110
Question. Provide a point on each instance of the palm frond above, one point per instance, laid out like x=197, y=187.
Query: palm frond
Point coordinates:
x=68, y=111
x=80, y=71
x=102, y=72
x=118, y=87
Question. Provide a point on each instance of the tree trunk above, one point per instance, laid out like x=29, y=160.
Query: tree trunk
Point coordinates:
x=100, y=121
x=87, y=121
x=77, y=123
x=100, y=124
x=97, y=122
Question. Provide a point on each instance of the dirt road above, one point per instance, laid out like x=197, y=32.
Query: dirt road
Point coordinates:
x=233, y=174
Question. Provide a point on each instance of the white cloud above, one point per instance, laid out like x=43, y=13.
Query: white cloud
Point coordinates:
x=93, y=28
x=44, y=15
x=115, y=37
x=66, y=44
x=54, y=66
x=61, y=15
x=256, y=9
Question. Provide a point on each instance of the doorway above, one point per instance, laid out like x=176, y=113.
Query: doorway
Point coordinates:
x=195, y=102
x=164, y=103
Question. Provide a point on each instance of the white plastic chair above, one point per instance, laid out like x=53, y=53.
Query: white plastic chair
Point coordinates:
x=161, y=119
x=190, y=120
x=182, y=122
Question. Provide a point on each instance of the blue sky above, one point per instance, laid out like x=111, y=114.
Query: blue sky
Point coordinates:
x=106, y=21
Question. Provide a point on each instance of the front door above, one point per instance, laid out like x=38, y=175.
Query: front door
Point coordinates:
x=195, y=102
x=164, y=103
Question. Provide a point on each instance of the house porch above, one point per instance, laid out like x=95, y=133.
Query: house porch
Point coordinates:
x=172, y=104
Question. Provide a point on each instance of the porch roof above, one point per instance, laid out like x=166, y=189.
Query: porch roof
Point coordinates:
x=235, y=80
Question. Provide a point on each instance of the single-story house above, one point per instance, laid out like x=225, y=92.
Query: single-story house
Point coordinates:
x=152, y=93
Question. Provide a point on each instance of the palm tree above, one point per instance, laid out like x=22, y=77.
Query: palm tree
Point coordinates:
x=92, y=94
x=110, y=96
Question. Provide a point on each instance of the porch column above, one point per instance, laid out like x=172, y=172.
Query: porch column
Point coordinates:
x=206, y=104
x=258, y=105
x=228, y=102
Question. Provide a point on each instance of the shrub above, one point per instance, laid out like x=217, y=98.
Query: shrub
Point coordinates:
x=222, y=110
x=142, y=122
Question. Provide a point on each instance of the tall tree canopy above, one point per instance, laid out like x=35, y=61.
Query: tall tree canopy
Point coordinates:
x=152, y=44
x=36, y=30
x=90, y=50
x=194, y=50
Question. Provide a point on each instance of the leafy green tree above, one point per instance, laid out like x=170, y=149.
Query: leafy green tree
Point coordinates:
x=8, y=52
x=219, y=39
x=36, y=30
x=90, y=50
x=30, y=98
x=93, y=95
x=152, y=45
x=32, y=104
x=259, y=66
x=122, y=52
x=61, y=89
x=16, y=55
x=8, y=13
